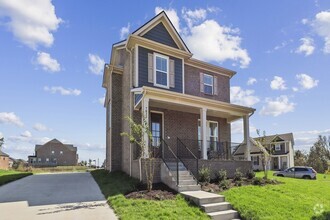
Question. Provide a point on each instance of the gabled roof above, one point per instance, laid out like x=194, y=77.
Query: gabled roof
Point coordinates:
x=55, y=141
x=3, y=154
x=277, y=137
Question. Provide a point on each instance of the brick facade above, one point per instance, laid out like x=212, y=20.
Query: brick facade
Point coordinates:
x=4, y=163
x=192, y=84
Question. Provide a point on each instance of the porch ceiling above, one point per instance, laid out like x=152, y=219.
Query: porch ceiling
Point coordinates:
x=160, y=98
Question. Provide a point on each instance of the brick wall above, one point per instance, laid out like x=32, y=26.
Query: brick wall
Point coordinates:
x=136, y=170
x=192, y=84
x=4, y=163
x=66, y=158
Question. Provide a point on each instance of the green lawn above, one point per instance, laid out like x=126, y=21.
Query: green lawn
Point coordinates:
x=59, y=169
x=294, y=199
x=7, y=176
x=116, y=184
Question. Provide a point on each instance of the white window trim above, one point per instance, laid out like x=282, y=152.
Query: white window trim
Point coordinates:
x=277, y=146
x=212, y=85
x=167, y=73
x=208, y=128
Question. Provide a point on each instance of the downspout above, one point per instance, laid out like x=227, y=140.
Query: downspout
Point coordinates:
x=130, y=107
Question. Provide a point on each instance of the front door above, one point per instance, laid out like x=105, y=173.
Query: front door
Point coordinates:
x=156, y=132
x=275, y=163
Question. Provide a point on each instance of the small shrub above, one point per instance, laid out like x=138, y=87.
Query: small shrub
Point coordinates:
x=221, y=175
x=258, y=181
x=238, y=175
x=204, y=175
x=250, y=174
x=238, y=183
x=224, y=184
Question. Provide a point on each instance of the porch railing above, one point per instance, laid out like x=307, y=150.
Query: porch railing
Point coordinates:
x=188, y=158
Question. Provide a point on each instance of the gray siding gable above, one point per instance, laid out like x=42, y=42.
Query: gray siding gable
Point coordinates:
x=143, y=70
x=160, y=35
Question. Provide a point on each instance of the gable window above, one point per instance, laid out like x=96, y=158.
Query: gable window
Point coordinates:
x=53, y=152
x=161, y=71
x=61, y=152
x=208, y=84
x=277, y=147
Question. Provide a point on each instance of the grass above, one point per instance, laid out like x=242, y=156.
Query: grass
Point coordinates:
x=294, y=199
x=59, y=169
x=7, y=176
x=115, y=185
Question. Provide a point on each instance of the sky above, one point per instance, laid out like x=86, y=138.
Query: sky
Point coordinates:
x=53, y=52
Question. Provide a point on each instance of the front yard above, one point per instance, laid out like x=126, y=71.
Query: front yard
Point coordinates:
x=115, y=185
x=7, y=176
x=294, y=199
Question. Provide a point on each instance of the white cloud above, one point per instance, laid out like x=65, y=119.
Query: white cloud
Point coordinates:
x=62, y=91
x=124, y=31
x=193, y=16
x=243, y=97
x=26, y=134
x=321, y=25
x=295, y=89
x=31, y=21
x=278, y=83
x=207, y=39
x=237, y=127
x=40, y=127
x=307, y=46
x=47, y=62
x=305, y=139
x=277, y=106
x=1, y=135
x=10, y=118
x=101, y=100
x=96, y=64
x=251, y=81
x=172, y=15
x=306, y=81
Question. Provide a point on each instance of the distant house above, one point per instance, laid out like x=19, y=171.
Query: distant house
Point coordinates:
x=54, y=153
x=4, y=161
x=280, y=147
x=11, y=162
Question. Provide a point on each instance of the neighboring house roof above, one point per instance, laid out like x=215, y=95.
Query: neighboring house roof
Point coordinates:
x=267, y=140
x=277, y=137
x=55, y=141
x=3, y=154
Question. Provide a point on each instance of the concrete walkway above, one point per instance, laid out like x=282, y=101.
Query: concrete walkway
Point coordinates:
x=54, y=196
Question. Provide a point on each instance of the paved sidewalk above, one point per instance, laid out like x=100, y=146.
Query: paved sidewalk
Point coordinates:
x=54, y=196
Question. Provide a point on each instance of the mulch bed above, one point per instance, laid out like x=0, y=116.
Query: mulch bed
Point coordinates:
x=159, y=191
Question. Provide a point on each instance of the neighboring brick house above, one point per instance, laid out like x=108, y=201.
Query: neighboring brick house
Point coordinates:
x=54, y=153
x=185, y=101
x=4, y=160
x=280, y=147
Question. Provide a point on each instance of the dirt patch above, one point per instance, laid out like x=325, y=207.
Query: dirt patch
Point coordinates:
x=159, y=191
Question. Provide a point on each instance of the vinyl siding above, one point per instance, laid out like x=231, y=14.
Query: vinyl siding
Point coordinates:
x=143, y=70
x=160, y=35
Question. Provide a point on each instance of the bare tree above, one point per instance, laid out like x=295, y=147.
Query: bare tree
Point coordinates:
x=139, y=135
x=265, y=153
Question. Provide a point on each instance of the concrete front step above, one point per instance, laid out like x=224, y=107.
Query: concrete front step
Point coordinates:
x=216, y=207
x=187, y=182
x=189, y=188
x=200, y=197
x=224, y=215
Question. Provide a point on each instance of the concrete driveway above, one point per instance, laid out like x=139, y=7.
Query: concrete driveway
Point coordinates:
x=54, y=196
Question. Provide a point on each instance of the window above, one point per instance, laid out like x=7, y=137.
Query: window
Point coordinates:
x=39, y=159
x=211, y=134
x=277, y=147
x=53, y=152
x=161, y=71
x=61, y=152
x=255, y=160
x=208, y=84
x=47, y=159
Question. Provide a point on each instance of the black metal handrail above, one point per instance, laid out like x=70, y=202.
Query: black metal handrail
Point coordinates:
x=168, y=156
x=183, y=152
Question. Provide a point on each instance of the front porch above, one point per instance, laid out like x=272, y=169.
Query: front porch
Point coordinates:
x=190, y=125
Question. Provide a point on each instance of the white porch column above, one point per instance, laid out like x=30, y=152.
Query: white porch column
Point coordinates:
x=145, y=119
x=247, y=137
x=203, y=132
x=279, y=162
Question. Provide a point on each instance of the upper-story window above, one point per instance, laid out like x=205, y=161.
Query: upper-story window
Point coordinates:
x=61, y=152
x=208, y=84
x=277, y=147
x=53, y=152
x=161, y=71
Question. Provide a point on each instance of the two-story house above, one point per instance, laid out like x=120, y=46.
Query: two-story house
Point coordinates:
x=54, y=153
x=279, y=146
x=152, y=77
x=4, y=160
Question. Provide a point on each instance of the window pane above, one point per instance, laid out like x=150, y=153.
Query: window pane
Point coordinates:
x=208, y=79
x=161, y=64
x=161, y=78
x=208, y=89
